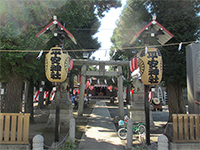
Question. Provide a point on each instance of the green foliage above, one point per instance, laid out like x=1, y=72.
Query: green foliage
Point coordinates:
x=81, y=19
x=181, y=18
x=21, y=20
x=67, y=145
x=131, y=20
x=153, y=146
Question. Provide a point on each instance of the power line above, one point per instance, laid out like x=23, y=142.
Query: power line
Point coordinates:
x=124, y=48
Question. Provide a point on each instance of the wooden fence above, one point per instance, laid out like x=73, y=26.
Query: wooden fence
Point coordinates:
x=14, y=128
x=186, y=128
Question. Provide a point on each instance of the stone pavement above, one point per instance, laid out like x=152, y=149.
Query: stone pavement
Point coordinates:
x=100, y=131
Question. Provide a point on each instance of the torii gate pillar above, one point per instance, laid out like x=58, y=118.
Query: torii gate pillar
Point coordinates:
x=82, y=91
x=120, y=92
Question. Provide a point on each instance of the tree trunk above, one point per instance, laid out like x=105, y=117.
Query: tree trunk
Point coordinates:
x=29, y=102
x=176, y=102
x=13, y=100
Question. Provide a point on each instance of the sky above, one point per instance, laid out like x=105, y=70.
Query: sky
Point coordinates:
x=108, y=24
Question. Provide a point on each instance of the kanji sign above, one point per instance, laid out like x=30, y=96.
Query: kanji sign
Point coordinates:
x=151, y=66
x=56, y=65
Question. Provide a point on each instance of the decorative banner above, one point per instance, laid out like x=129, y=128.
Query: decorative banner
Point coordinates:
x=87, y=84
x=46, y=94
x=110, y=87
x=151, y=66
x=132, y=91
x=36, y=96
x=56, y=65
x=78, y=78
x=71, y=63
x=91, y=88
x=133, y=64
x=52, y=96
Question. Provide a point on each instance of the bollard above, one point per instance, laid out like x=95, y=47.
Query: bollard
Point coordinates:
x=38, y=142
x=163, y=142
x=129, y=133
x=72, y=129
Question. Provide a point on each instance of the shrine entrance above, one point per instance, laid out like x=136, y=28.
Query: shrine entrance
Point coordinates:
x=101, y=72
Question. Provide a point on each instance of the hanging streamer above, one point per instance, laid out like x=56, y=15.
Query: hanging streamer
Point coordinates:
x=146, y=48
x=180, y=45
x=113, y=80
x=40, y=55
x=105, y=81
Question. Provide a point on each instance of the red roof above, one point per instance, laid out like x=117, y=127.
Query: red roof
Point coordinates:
x=162, y=38
x=51, y=26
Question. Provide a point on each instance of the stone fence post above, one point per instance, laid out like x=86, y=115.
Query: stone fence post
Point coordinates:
x=72, y=129
x=38, y=142
x=130, y=133
x=163, y=142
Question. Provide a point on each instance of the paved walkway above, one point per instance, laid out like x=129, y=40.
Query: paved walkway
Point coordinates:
x=100, y=132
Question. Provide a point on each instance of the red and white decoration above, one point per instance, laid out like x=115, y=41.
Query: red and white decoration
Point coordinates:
x=36, y=96
x=71, y=62
x=133, y=64
x=52, y=96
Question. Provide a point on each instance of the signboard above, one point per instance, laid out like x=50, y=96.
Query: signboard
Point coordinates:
x=56, y=65
x=151, y=66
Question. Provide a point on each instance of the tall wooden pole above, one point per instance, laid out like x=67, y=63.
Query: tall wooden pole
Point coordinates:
x=146, y=103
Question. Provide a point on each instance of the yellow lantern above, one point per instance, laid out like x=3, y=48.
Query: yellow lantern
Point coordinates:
x=151, y=66
x=56, y=65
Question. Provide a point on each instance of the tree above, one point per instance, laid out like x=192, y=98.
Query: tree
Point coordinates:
x=18, y=28
x=182, y=20
x=131, y=19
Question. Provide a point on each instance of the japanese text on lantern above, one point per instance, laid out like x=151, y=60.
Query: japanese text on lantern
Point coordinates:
x=153, y=67
x=55, y=64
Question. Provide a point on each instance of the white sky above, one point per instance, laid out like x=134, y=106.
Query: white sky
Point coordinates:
x=108, y=24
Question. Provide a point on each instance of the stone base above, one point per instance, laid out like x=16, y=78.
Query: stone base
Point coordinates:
x=15, y=147
x=184, y=146
x=66, y=113
x=137, y=114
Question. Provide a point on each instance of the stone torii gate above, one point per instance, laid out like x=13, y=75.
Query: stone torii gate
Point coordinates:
x=101, y=72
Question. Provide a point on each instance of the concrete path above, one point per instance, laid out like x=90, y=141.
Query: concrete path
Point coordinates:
x=100, y=132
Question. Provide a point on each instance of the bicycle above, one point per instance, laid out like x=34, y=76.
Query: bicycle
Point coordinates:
x=138, y=127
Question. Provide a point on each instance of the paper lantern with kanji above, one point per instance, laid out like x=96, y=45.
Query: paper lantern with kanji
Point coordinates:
x=151, y=66
x=56, y=65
